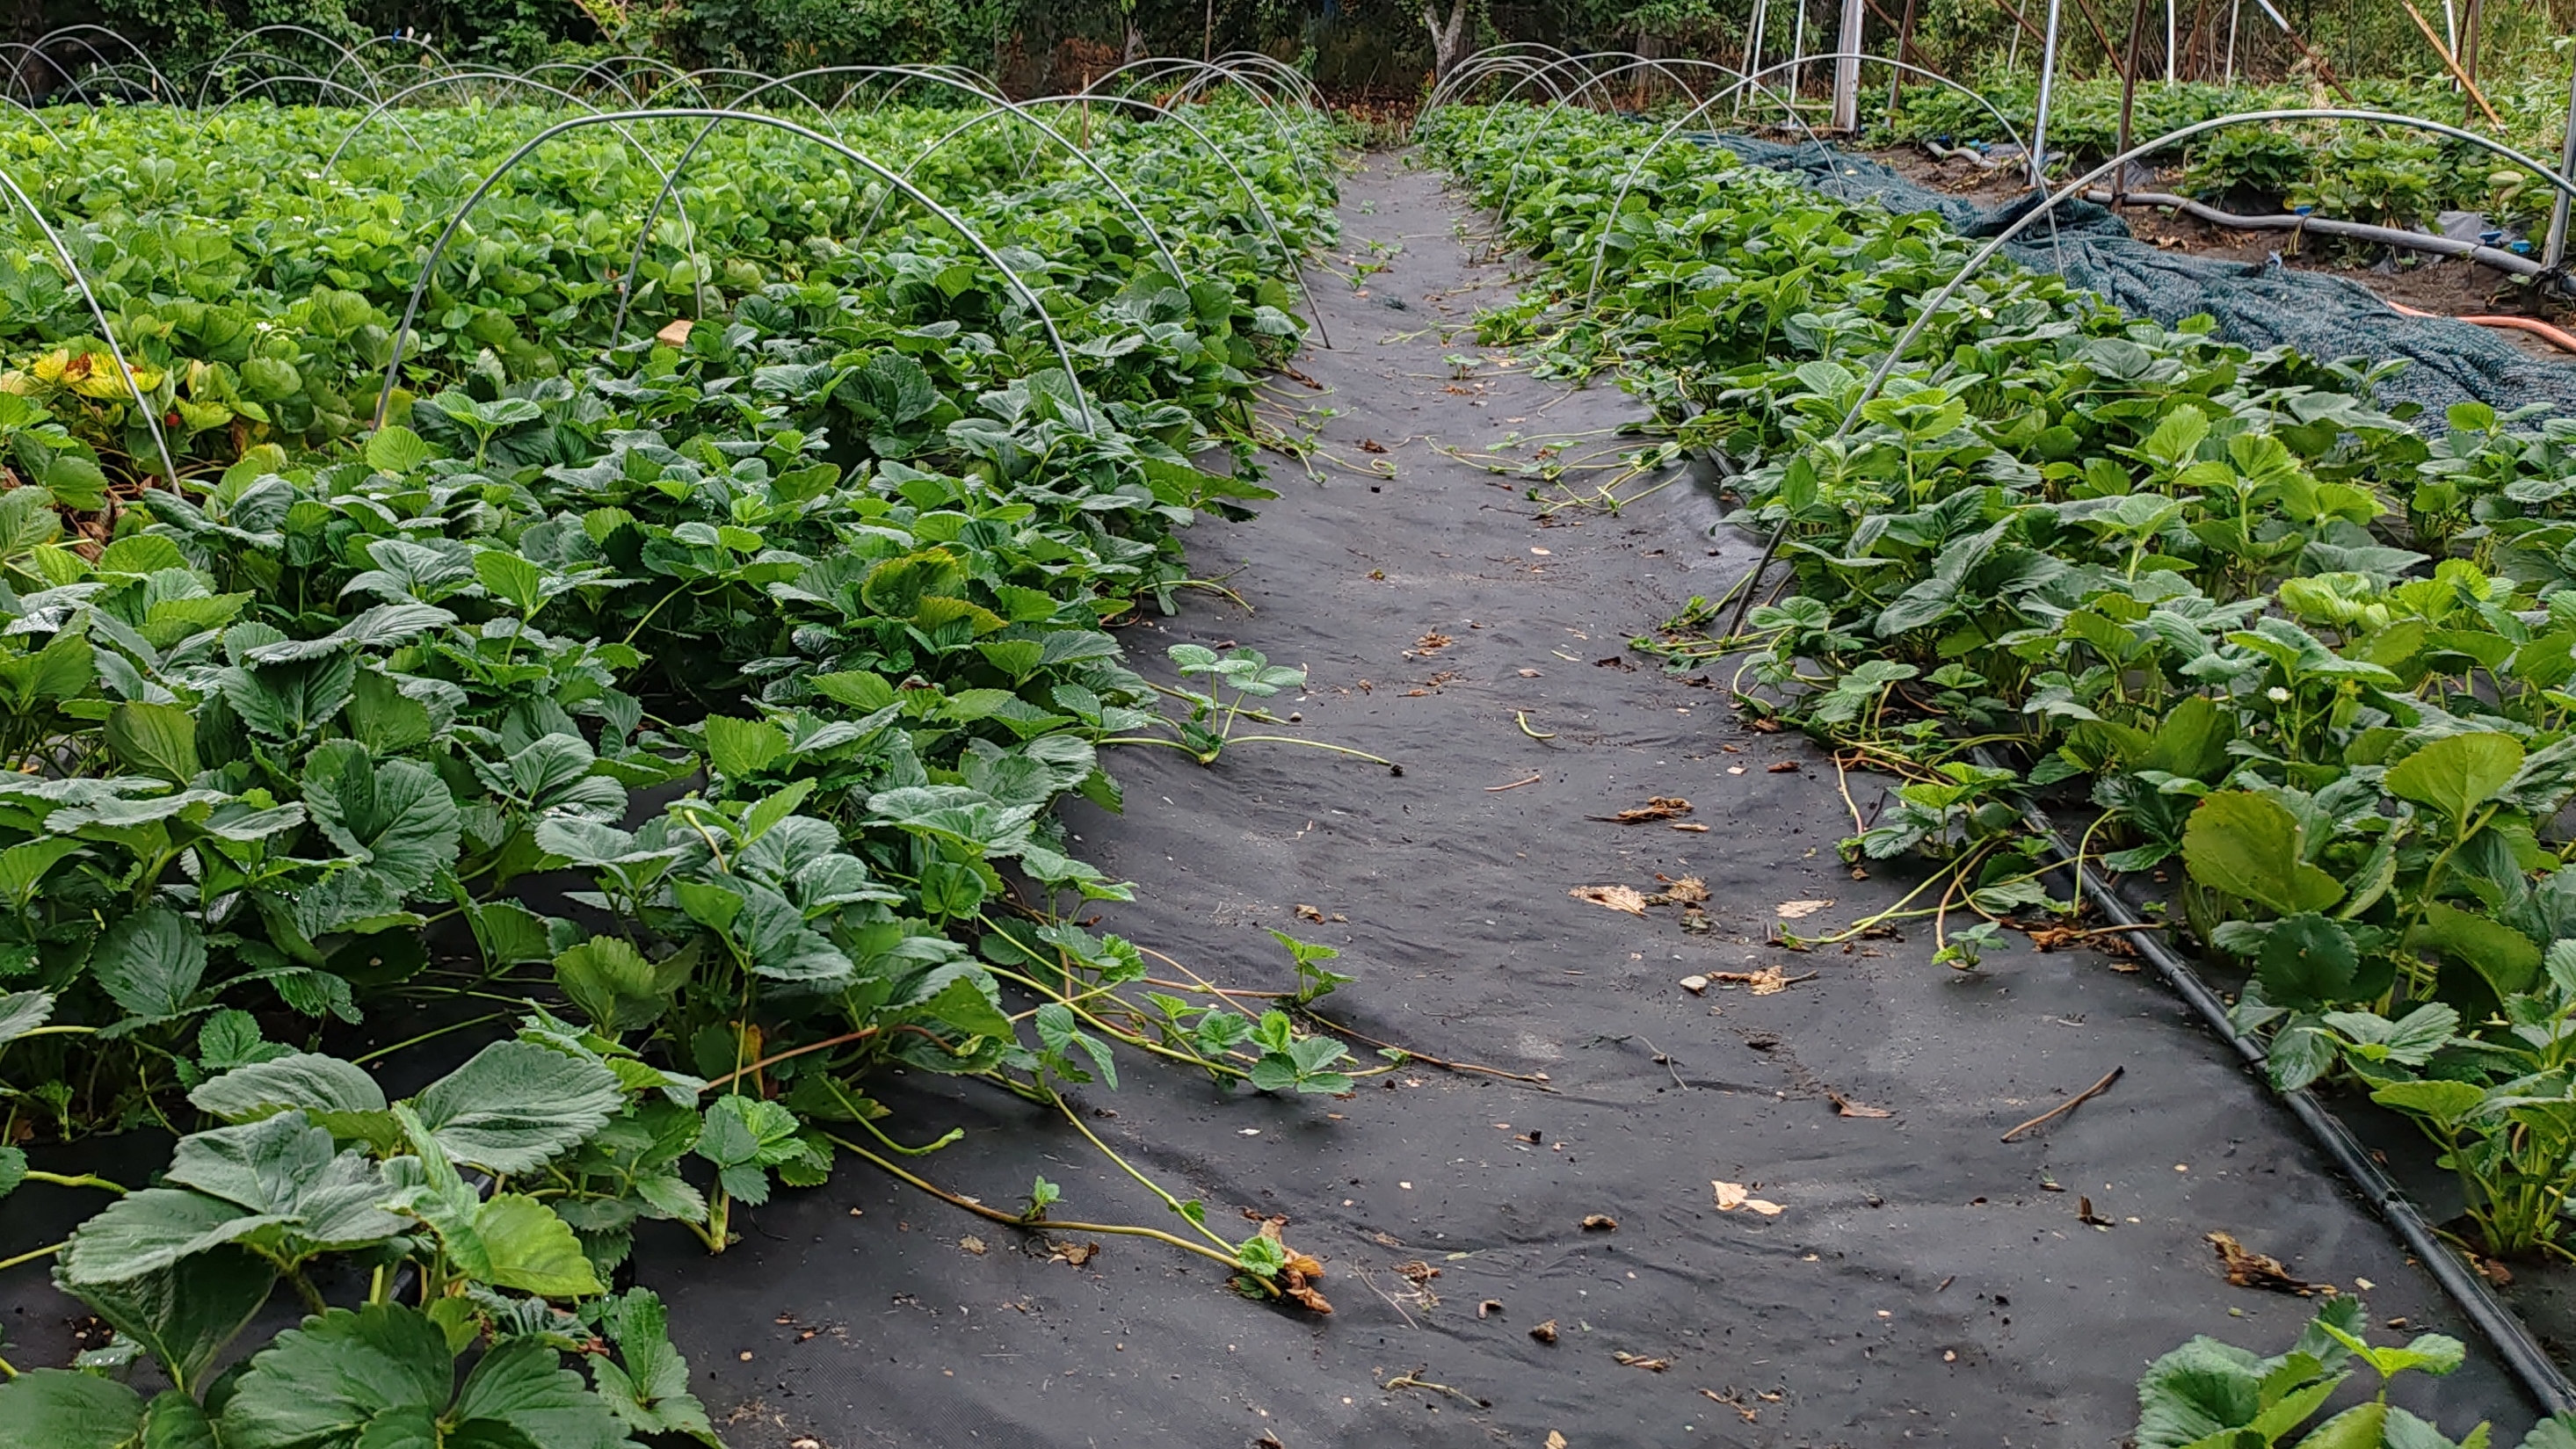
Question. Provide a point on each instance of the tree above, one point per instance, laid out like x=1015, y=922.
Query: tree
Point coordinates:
x=1447, y=39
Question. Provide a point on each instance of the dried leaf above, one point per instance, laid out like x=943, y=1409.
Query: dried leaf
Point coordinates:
x=675, y=333
x=1785, y=767
x=1309, y=913
x=1695, y=984
x=1075, y=1254
x=1657, y=807
x=1555, y=1440
x=1799, y=910
x=1849, y=1108
x=1616, y=897
x=2249, y=1269
x=1433, y=641
x=1371, y=445
x=1639, y=1360
x=972, y=1244
x=1490, y=1305
x=1733, y=1195
x=1417, y=1272
x=1546, y=1333
x=1600, y=1223
x=1690, y=890
x=1769, y=981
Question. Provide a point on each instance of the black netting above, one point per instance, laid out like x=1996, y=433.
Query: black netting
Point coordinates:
x=2263, y=305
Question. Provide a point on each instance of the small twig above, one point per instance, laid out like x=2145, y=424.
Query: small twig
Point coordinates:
x=1516, y=784
x=2071, y=1103
x=1382, y=1293
x=1414, y=1380
x=1522, y=716
x=1539, y=1081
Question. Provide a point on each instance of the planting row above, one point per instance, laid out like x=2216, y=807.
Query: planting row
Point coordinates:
x=831, y=573
x=2304, y=656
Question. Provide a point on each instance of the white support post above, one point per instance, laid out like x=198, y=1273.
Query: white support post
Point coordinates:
x=2555, y=250
x=2047, y=86
x=1847, y=71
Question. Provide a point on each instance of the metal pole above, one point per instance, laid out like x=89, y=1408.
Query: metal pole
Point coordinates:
x=1847, y=70
x=2169, y=42
x=2556, y=249
x=2047, y=85
x=1752, y=45
x=2235, y=11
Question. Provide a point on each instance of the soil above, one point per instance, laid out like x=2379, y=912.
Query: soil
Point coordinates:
x=2447, y=286
x=1921, y=1281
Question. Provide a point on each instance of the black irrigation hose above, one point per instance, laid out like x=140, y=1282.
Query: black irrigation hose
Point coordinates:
x=2539, y=1375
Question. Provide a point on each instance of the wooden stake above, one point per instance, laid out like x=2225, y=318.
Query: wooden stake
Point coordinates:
x=2451, y=62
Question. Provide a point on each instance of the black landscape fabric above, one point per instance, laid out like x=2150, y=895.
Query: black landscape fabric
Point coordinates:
x=1920, y=1281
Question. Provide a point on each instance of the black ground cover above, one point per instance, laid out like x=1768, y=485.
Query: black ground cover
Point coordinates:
x=1921, y=1281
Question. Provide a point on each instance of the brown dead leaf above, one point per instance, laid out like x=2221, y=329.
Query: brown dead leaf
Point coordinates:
x=1769, y=981
x=1616, y=897
x=1733, y=1195
x=1309, y=913
x=1690, y=890
x=1764, y=726
x=1434, y=640
x=1526, y=673
x=2495, y=1272
x=1371, y=445
x=1614, y=662
x=1639, y=1360
x=1845, y=1106
x=1657, y=807
x=1600, y=1223
x=972, y=1244
x=675, y=333
x=1733, y=1399
x=1800, y=910
x=1555, y=1440
x=1785, y=767
x=1489, y=1306
x=1416, y=1272
x=2084, y=1213
x=1075, y=1254
x=1269, y=1441
x=2249, y=1269
x=1546, y=1333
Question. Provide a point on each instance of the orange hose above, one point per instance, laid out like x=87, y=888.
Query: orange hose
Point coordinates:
x=2554, y=336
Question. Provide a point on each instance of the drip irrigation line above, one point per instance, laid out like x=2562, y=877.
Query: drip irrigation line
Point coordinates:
x=2523, y=1356
x=2485, y=256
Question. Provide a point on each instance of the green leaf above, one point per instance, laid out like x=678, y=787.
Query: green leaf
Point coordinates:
x=316, y=1083
x=397, y=449
x=741, y=748
x=2307, y=961
x=522, y=1384
x=186, y=1313
x=60, y=1409
x=325, y=1383
x=22, y=1012
x=512, y=579
x=158, y=739
x=151, y=963
x=516, y=1104
x=650, y=1391
x=526, y=1246
x=2250, y=845
x=612, y=983
x=2506, y=958
x=148, y=1230
x=2359, y=1427
x=396, y=818
x=2456, y=773
x=963, y=1004
x=175, y=1421
x=2443, y=1103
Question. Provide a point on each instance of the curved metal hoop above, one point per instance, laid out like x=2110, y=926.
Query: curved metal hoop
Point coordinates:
x=62, y=254
x=429, y=264
x=1932, y=305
